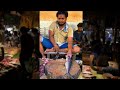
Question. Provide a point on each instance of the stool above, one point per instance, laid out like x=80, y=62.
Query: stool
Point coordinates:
x=50, y=53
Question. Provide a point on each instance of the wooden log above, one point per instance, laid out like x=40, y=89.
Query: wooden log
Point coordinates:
x=55, y=69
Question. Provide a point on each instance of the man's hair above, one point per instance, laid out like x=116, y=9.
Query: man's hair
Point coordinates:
x=79, y=25
x=62, y=12
x=24, y=29
x=34, y=30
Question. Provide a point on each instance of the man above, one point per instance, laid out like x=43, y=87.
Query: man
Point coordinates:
x=60, y=36
x=35, y=35
x=88, y=32
x=27, y=47
x=78, y=34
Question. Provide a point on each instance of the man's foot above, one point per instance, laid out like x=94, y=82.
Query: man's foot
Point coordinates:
x=50, y=50
x=63, y=50
x=60, y=50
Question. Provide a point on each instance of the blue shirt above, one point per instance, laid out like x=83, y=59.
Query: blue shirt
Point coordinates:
x=78, y=35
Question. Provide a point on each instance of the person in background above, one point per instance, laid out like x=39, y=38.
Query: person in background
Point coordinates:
x=2, y=29
x=15, y=39
x=78, y=38
x=78, y=34
x=96, y=43
x=88, y=33
x=35, y=36
x=9, y=39
x=27, y=47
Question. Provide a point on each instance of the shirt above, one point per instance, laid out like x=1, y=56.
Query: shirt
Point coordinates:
x=78, y=36
x=61, y=36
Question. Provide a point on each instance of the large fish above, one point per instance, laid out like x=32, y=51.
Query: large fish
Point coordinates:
x=57, y=56
x=68, y=65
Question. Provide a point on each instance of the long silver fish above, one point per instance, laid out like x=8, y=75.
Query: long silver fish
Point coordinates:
x=68, y=65
x=57, y=56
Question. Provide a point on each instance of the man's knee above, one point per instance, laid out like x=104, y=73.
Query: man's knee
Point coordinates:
x=76, y=49
x=41, y=38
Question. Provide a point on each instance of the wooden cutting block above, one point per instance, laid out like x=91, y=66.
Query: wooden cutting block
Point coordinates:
x=55, y=69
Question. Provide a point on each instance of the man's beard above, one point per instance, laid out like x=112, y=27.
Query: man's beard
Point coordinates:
x=61, y=24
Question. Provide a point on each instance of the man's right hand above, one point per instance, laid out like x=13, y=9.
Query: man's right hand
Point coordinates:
x=56, y=48
x=43, y=56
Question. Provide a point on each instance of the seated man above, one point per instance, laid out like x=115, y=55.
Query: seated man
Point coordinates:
x=60, y=36
x=78, y=34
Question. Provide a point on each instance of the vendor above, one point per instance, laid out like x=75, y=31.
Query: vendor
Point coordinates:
x=60, y=36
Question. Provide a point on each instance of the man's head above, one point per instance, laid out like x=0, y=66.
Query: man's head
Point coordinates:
x=24, y=30
x=90, y=26
x=61, y=17
x=80, y=26
x=34, y=30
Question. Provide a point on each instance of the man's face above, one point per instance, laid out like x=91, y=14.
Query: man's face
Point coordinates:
x=80, y=29
x=90, y=27
x=61, y=19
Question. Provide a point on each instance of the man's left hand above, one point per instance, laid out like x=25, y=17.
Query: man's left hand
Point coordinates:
x=69, y=53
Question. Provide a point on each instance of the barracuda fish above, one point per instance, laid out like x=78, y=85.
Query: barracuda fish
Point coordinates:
x=57, y=56
x=68, y=65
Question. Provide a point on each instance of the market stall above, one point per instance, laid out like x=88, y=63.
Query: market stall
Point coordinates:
x=10, y=67
x=10, y=63
x=10, y=45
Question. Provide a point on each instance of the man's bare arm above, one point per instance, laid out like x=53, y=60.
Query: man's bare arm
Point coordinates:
x=70, y=43
x=41, y=50
x=51, y=37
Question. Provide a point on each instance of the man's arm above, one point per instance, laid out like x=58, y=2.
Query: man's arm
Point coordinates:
x=51, y=37
x=41, y=50
x=70, y=42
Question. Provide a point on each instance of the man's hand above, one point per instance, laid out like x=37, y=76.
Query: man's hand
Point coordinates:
x=69, y=53
x=43, y=56
x=70, y=43
x=56, y=48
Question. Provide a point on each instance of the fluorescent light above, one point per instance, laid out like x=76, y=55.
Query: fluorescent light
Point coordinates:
x=9, y=29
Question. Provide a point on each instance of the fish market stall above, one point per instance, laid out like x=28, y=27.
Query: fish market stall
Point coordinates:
x=10, y=62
